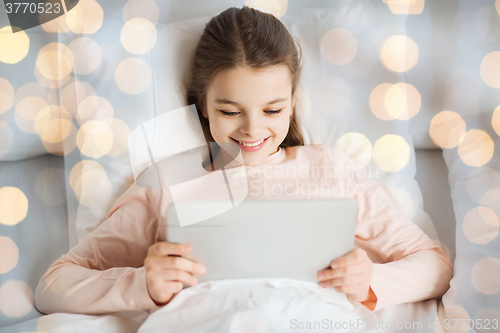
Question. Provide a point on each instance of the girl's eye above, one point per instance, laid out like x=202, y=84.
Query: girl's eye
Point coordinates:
x=228, y=113
x=274, y=111
x=235, y=113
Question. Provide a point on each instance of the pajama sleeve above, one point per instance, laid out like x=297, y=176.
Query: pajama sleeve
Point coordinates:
x=413, y=267
x=104, y=272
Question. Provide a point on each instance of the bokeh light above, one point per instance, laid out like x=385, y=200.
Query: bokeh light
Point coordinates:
x=63, y=147
x=53, y=123
x=275, y=7
x=391, y=153
x=16, y=299
x=13, y=205
x=395, y=101
x=477, y=178
x=7, y=136
x=121, y=132
x=452, y=314
x=90, y=183
x=15, y=46
x=402, y=101
x=94, y=138
x=138, y=36
x=55, y=61
x=491, y=199
x=86, y=17
x=74, y=93
x=377, y=101
x=487, y=315
x=7, y=94
x=399, y=53
x=447, y=128
x=357, y=147
x=95, y=108
x=476, y=148
x=49, y=83
x=31, y=89
x=26, y=112
x=9, y=254
x=484, y=275
x=338, y=47
x=51, y=24
x=490, y=69
x=495, y=120
x=481, y=225
x=133, y=76
x=87, y=55
x=82, y=167
x=146, y=9
x=406, y=7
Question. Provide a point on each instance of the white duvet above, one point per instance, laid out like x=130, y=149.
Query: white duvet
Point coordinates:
x=258, y=305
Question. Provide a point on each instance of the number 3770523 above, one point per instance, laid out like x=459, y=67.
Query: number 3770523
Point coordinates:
x=484, y=324
x=32, y=8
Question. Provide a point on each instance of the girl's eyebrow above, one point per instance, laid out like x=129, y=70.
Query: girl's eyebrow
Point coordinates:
x=227, y=101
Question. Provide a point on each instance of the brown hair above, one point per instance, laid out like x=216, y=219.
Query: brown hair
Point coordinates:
x=236, y=38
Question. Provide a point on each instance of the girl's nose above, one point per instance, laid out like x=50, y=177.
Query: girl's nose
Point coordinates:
x=251, y=127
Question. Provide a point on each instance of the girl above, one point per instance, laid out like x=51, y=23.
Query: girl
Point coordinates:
x=243, y=82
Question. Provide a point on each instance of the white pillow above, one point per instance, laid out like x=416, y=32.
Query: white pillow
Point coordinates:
x=475, y=190
x=470, y=136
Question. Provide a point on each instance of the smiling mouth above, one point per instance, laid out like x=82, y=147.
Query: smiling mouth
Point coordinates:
x=256, y=143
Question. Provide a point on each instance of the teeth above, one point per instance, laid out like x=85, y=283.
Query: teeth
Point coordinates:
x=251, y=144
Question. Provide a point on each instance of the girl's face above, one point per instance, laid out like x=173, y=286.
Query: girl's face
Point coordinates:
x=246, y=106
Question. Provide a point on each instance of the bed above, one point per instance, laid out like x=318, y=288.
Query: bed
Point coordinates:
x=434, y=145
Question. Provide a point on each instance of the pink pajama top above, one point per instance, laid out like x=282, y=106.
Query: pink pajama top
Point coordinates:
x=105, y=273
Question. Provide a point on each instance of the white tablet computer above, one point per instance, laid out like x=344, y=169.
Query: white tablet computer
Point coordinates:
x=274, y=238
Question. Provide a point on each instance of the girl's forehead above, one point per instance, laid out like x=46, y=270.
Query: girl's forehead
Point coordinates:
x=266, y=82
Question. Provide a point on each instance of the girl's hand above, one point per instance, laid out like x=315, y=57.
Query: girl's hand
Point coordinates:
x=350, y=274
x=165, y=274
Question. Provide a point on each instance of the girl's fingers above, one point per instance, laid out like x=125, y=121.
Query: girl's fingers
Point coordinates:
x=355, y=256
x=180, y=263
x=177, y=275
x=345, y=281
x=353, y=269
x=353, y=289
